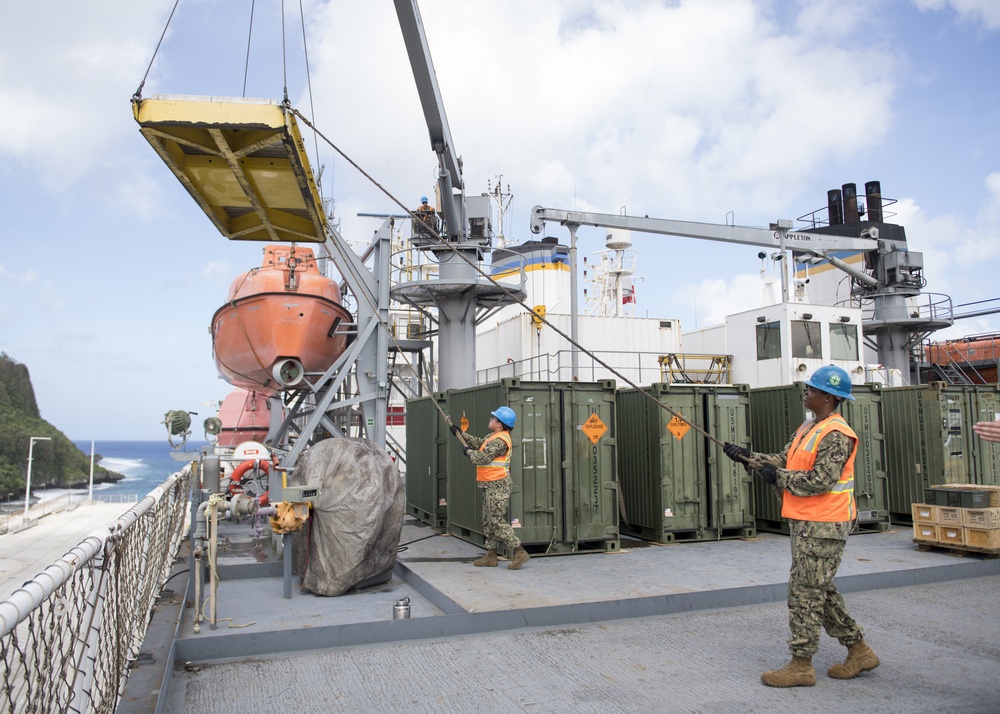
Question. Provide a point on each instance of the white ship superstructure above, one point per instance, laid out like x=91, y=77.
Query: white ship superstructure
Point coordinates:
x=516, y=343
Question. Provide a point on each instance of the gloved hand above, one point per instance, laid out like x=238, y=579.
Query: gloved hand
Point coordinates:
x=466, y=450
x=455, y=430
x=768, y=472
x=736, y=453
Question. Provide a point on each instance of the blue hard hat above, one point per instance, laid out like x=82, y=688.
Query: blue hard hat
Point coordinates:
x=832, y=380
x=423, y=199
x=506, y=416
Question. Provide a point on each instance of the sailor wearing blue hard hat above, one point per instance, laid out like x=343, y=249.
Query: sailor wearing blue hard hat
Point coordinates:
x=491, y=455
x=814, y=475
x=832, y=380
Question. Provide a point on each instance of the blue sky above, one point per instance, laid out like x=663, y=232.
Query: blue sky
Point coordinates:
x=110, y=274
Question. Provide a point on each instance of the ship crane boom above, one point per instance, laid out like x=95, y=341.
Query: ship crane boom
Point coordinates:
x=742, y=235
x=894, y=276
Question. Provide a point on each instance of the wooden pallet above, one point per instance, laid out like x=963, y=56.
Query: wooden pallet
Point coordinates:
x=959, y=551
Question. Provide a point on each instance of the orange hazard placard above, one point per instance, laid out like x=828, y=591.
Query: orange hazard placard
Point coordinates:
x=678, y=427
x=594, y=428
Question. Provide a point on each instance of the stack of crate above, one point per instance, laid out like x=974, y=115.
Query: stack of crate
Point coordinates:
x=963, y=516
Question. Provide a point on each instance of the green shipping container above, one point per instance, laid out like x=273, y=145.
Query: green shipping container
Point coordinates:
x=426, y=449
x=926, y=441
x=775, y=414
x=563, y=466
x=677, y=484
x=984, y=405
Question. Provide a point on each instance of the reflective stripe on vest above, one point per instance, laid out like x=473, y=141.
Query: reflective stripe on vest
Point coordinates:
x=499, y=467
x=836, y=505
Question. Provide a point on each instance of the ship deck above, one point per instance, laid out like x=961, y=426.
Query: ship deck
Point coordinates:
x=684, y=627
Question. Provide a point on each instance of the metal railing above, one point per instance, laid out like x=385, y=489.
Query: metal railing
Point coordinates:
x=690, y=368
x=70, y=635
x=640, y=367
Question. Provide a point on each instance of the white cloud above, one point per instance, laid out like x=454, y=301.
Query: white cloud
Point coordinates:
x=712, y=300
x=67, y=110
x=985, y=11
x=22, y=277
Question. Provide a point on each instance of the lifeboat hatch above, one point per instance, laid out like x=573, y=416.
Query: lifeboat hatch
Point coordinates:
x=242, y=160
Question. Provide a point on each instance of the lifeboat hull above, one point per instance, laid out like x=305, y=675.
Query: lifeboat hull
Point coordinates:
x=245, y=416
x=275, y=314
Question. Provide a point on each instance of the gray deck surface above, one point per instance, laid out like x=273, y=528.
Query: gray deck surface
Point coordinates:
x=679, y=628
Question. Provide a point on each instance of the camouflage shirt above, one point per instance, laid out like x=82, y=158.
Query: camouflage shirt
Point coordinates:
x=493, y=450
x=831, y=456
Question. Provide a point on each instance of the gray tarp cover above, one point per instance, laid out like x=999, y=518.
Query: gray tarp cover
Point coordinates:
x=357, y=518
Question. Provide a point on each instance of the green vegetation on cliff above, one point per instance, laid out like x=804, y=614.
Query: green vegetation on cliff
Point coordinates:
x=56, y=463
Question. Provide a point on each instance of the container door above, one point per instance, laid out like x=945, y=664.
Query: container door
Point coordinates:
x=727, y=419
x=465, y=498
x=775, y=413
x=682, y=458
x=536, y=508
x=590, y=463
x=637, y=436
x=871, y=487
x=984, y=406
x=426, y=445
x=957, y=469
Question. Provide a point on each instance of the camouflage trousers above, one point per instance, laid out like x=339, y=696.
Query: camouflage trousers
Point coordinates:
x=813, y=601
x=496, y=526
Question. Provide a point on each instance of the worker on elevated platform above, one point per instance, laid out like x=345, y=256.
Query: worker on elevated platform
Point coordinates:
x=427, y=219
x=491, y=455
x=814, y=474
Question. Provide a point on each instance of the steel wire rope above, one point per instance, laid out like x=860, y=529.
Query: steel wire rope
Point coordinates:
x=503, y=289
x=284, y=57
x=312, y=106
x=246, y=66
x=138, y=92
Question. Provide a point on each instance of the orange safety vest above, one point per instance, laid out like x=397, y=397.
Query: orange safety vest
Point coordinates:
x=499, y=467
x=836, y=505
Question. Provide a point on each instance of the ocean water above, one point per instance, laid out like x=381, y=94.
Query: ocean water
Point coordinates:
x=145, y=465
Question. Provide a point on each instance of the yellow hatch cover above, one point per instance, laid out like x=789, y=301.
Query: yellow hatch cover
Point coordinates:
x=242, y=160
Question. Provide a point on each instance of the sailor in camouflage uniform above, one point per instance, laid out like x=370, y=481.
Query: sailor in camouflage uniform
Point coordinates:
x=491, y=455
x=814, y=478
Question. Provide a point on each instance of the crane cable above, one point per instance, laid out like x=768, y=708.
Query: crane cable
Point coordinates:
x=246, y=66
x=513, y=297
x=138, y=92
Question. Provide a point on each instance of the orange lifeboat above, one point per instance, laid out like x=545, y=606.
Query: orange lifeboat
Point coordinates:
x=245, y=416
x=279, y=322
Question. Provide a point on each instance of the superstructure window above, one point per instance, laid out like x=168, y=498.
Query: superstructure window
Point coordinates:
x=806, y=340
x=768, y=341
x=844, y=342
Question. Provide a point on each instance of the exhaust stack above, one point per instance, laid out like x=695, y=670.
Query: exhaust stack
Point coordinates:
x=834, y=208
x=873, y=200
x=850, y=203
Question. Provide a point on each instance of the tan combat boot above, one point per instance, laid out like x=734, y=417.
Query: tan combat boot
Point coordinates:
x=797, y=673
x=860, y=658
x=487, y=561
x=520, y=558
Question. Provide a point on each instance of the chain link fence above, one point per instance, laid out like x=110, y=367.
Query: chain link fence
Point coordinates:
x=70, y=635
